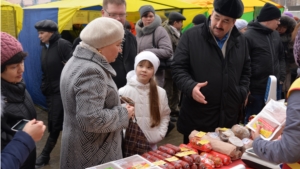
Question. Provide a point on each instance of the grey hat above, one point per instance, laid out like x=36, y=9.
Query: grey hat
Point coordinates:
x=146, y=8
x=230, y=8
x=46, y=25
x=176, y=16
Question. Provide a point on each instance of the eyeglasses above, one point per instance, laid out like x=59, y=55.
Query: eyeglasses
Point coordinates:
x=114, y=15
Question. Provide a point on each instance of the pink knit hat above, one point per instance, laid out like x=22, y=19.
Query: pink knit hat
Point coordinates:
x=9, y=47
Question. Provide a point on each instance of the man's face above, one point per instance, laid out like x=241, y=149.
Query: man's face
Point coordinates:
x=178, y=25
x=220, y=25
x=45, y=36
x=115, y=11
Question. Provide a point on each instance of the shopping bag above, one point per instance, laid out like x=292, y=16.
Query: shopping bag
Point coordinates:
x=135, y=141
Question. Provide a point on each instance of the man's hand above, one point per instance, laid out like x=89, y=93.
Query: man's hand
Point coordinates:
x=255, y=134
x=35, y=129
x=197, y=95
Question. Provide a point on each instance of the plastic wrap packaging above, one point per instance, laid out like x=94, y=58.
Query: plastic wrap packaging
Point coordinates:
x=220, y=146
x=240, y=131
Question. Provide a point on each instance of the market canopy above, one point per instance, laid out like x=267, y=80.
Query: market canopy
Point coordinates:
x=11, y=18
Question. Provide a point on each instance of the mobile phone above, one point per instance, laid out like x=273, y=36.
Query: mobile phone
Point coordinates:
x=20, y=125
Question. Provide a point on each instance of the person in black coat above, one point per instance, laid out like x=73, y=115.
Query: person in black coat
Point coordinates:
x=55, y=53
x=267, y=57
x=18, y=103
x=212, y=69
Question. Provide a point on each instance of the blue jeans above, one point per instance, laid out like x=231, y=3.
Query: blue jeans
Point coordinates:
x=255, y=104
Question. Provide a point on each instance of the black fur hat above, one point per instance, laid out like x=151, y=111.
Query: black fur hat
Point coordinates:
x=230, y=8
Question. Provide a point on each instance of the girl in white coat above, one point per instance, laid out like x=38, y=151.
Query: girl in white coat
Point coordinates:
x=151, y=104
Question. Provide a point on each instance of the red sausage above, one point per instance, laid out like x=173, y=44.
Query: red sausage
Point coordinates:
x=166, y=150
x=175, y=148
x=196, y=158
x=187, y=159
x=162, y=153
x=156, y=155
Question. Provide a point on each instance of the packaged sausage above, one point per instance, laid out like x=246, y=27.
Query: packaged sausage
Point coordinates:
x=240, y=131
x=201, y=144
x=217, y=160
x=196, y=158
x=226, y=160
x=150, y=157
x=187, y=147
x=220, y=146
x=187, y=159
x=207, y=162
x=166, y=150
x=162, y=153
x=175, y=148
x=160, y=157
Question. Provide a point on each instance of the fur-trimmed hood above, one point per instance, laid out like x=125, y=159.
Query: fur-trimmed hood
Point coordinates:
x=145, y=30
x=289, y=22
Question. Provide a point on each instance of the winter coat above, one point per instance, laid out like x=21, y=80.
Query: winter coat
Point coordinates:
x=52, y=61
x=139, y=93
x=94, y=117
x=297, y=49
x=197, y=59
x=18, y=106
x=267, y=56
x=17, y=151
x=286, y=149
x=173, y=36
x=125, y=61
x=144, y=38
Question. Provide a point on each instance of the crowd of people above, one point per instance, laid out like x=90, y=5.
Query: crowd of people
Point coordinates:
x=215, y=74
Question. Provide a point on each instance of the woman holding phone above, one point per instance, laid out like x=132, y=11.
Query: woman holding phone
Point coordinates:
x=18, y=103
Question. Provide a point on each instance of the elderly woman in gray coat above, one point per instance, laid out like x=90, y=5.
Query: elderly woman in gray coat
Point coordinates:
x=148, y=29
x=94, y=117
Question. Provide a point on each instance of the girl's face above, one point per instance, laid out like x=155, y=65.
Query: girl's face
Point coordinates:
x=144, y=71
x=147, y=20
x=13, y=73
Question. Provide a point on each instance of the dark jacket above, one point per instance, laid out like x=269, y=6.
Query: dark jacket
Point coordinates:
x=267, y=56
x=17, y=151
x=197, y=59
x=174, y=38
x=125, y=61
x=53, y=60
x=18, y=106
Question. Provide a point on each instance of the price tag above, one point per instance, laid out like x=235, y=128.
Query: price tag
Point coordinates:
x=202, y=142
x=160, y=162
x=184, y=149
x=200, y=134
x=172, y=159
x=223, y=129
x=186, y=153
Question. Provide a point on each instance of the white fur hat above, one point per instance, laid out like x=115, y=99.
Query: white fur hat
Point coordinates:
x=240, y=24
x=147, y=55
x=102, y=32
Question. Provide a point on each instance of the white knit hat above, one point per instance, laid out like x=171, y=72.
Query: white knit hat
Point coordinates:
x=240, y=24
x=102, y=32
x=147, y=55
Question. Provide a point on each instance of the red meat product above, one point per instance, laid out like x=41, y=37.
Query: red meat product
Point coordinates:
x=196, y=143
x=188, y=146
x=160, y=157
x=175, y=148
x=162, y=153
x=194, y=166
x=166, y=150
x=187, y=159
x=167, y=166
x=217, y=160
x=225, y=158
x=150, y=157
x=196, y=158
x=184, y=164
x=207, y=162
x=176, y=164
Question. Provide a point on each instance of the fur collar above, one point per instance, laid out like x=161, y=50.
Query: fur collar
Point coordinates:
x=142, y=30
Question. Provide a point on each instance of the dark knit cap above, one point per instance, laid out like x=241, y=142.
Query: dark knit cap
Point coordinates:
x=230, y=8
x=198, y=19
x=176, y=16
x=268, y=12
x=46, y=25
x=146, y=8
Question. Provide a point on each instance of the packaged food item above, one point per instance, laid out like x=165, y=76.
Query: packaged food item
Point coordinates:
x=240, y=131
x=224, y=134
x=220, y=146
x=201, y=144
x=214, y=135
x=160, y=157
x=162, y=153
x=150, y=157
x=235, y=141
x=175, y=148
x=217, y=160
x=166, y=150
x=187, y=147
x=196, y=158
x=247, y=143
x=208, y=163
x=226, y=160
